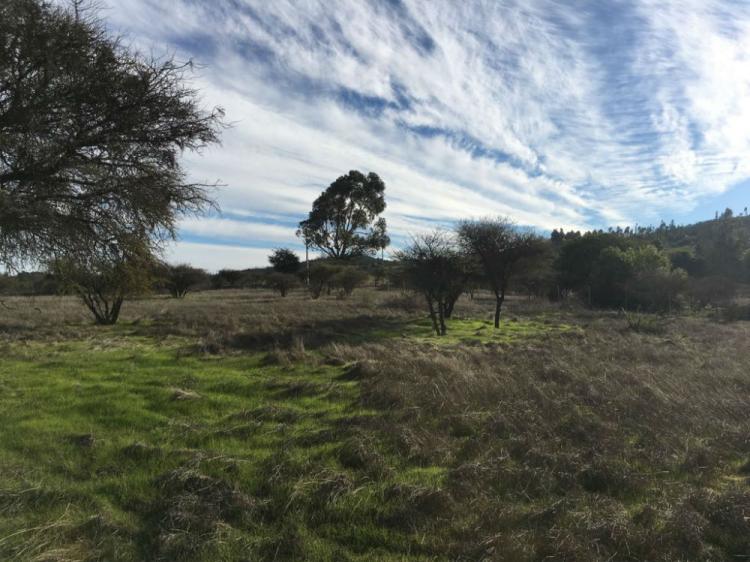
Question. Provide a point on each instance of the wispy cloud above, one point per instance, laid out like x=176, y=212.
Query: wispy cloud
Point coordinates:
x=556, y=116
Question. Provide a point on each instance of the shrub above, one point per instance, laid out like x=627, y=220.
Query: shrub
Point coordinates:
x=227, y=278
x=643, y=323
x=433, y=267
x=321, y=275
x=180, y=279
x=104, y=276
x=282, y=282
x=713, y=290
x=735, y=312
x=348, y=278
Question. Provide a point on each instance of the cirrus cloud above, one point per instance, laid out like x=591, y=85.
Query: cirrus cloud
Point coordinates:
x=558, y=117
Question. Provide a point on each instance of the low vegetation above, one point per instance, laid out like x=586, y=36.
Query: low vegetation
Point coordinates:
x=235, y=425
x=351, y=408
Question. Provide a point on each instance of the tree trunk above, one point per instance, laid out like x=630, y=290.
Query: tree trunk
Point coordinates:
x=114, y=312
x=433, y=317
x=441, y=313
x=450, y=304
x=499, y=298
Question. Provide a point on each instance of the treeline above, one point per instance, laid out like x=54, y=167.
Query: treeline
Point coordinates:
x=326, y=276
x=647, y=269
x=655, y=268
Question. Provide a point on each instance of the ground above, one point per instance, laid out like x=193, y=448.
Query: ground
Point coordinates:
x=236, y=425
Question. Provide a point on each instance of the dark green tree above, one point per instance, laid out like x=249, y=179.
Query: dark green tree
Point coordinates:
x=284, y=260
x=578, y=258
x=344, y=220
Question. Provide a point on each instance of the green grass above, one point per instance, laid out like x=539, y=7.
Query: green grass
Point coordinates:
x=101, y=438
x=561, y=435
x=462, y=330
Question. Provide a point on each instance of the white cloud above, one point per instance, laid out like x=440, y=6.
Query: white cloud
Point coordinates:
x=557, y=117
x=214, y=257
x=228, y=229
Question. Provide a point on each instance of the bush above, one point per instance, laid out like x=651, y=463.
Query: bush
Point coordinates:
x=435, y=268
x=104, y=276
x=282, y=282
x=180, y=279
x=321, y=275
x=637, y=277
x=713, y=290
x=735, y=312
x=643, y=323
x=347, y=279
x=227, y=278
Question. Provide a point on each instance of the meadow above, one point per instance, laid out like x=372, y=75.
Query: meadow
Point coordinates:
x=238, y=425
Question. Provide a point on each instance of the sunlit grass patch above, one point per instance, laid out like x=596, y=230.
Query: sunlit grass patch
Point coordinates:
x=192, y=457
x=460, y=330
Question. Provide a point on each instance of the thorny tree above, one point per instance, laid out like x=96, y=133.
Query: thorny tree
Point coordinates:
x=433, y=267
x=90, y=137
x=499, y=246
x=105, y=274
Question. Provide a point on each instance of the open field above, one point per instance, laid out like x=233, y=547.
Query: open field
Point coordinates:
x=235, y=425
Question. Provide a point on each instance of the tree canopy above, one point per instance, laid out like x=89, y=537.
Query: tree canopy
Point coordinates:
x=344, y=219
x=91, y=135
x=284, y=260
x=499, y=246
x=434, y=267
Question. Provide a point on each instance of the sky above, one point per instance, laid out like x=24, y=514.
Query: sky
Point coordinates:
x=574, y=114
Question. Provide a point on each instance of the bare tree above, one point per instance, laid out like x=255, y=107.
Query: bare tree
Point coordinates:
x=499, y=246
x=432, y=266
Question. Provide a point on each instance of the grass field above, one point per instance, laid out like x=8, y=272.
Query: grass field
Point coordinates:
x=235, y=425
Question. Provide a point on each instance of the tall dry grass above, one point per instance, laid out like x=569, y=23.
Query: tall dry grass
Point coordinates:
x=602, y=445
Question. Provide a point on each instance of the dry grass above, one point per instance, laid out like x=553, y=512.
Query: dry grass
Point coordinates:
x=610, y=441
x=607, y=445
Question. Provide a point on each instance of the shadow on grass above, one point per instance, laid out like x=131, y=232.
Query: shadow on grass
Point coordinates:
x=310, y=335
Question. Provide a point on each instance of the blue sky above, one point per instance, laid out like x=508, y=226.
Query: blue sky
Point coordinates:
x=557, y=114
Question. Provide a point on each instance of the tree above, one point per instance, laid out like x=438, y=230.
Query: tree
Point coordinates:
x=344, y=219
x=103, y=276
x=180, y=279
x=284, y=260
x=634, y=277
x=578, y=257
x=433, y=267
x=349, y=278
x=321, y=275
x=499, y=246
x=227, y=278
x=91, y=137
x=282, y=282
